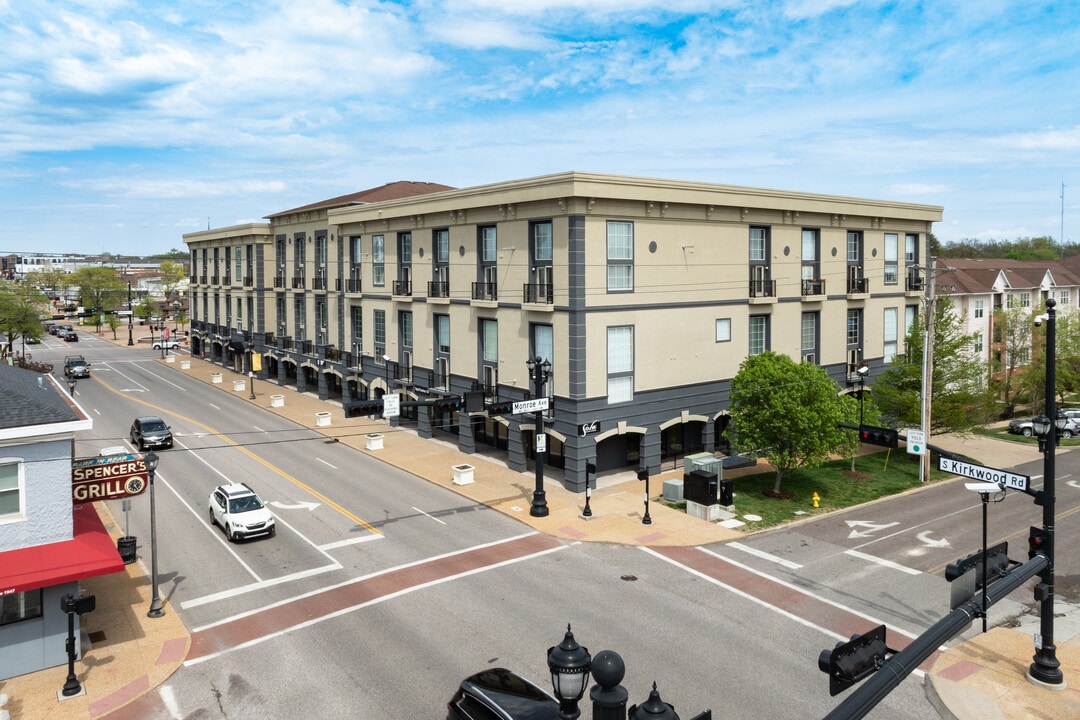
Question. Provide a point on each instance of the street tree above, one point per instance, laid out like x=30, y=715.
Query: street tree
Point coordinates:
x=788, y=413
x=172, y=274
x=1067, y=353
x=960, y=393
x=100, y=288
x=1012, y=332
x=21, y=309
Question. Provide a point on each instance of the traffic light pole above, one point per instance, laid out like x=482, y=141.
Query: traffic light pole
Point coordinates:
x=893, y=671
x=1045, y=668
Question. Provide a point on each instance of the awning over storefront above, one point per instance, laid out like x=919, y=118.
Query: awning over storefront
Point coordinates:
x=90, y=553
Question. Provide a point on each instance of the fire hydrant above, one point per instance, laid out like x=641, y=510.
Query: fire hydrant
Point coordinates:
x=817, y=500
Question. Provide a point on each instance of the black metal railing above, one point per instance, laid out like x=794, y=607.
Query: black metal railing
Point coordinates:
x=484, y=291
x=762, y=288
x=539, y=293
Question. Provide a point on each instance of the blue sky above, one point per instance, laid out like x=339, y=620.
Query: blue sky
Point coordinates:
x=127, y=123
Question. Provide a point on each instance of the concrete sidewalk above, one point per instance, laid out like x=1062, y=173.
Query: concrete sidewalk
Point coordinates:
x=131, y=654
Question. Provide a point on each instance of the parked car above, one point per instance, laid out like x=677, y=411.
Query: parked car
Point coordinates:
x=75, y=366
x=1027, y=429
x=499, y=694
x=169, y=344
x=240, y=512
x=150, y=431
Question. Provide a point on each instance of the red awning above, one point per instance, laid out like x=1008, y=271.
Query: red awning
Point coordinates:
x=89, y=554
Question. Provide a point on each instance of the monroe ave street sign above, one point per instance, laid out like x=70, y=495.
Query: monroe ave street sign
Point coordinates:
x=978, y=472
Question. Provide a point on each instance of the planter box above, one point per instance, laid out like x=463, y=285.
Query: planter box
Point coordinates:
x=322, y=419
x=463, y=474
x=170, y=358
x=215, y=378
x=277, y=401
x=185, y=364
x=239, y=385
x=373, y=441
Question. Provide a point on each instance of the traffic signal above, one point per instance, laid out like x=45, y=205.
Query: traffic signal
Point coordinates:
x=997, y=562
x=363, y=408
x=500, y=408
x=444, y=404
x=1038, y=542
x=886, y=437
x=858, y=658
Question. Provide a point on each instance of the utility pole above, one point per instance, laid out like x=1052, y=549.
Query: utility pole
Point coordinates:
x=928, y=365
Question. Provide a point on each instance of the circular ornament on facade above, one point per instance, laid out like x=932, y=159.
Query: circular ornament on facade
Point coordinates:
x=834, y=252
x=787, y=251
x=421, y=251
x=652, y=246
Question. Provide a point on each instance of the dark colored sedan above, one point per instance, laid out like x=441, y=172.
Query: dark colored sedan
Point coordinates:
x=499, y=694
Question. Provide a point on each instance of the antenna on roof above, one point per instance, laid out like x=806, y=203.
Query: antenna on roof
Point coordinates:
x=207, y=222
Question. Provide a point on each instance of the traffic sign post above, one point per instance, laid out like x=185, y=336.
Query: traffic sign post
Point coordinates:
x=916, y=442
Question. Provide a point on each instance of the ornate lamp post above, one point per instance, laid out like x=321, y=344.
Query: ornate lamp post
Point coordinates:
x=539, y=371
x=570, y=665
x=156, y=608
x=1045, y=668
x=130, y=313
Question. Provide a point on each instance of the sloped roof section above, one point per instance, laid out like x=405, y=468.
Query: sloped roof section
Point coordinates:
x=390, y=191
x=31, y=398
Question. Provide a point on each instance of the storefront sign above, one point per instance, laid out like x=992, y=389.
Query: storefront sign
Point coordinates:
x=107, y=478
x=587, y=429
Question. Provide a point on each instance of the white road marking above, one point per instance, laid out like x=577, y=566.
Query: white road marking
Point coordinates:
x=252, y=587
x=350, y=541
x=334, y=467
x=168, y=699
x=764, y=555
x=873, y=527
x=883, y=562
x=374, y=601
x=430, y=516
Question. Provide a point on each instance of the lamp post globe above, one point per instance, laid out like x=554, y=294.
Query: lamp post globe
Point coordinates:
x=569, y=664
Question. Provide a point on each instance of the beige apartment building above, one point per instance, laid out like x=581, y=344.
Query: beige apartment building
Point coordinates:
x=642, y=296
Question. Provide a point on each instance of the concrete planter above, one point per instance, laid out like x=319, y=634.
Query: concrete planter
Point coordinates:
x=215, y=378
x=277, y=401
x=463, y=474
x=373, y=441
x=185, y=364
x=322, y=419
x=239, y=385
x=170, y=358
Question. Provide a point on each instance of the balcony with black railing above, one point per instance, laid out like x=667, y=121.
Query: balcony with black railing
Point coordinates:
x=402, y=288
x=858, y=286
x=298, y=282
x=279, y=281
x=307, y=347
x=485, y=291
x=813, y=289
x=539, y=294
x=438, y=289
x=762, y=289
x=914, y=283
x=249, y=281
x=319, y=283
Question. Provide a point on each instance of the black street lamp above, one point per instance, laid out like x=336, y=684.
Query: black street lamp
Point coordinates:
x=130, y=313
x=539, y=371
x=1045, y=668
x=653, y=709
x=251, y=369
x=570, y=665
x=156, y=608
x=643, y=474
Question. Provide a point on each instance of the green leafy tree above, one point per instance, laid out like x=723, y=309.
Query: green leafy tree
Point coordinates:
x=788, y=413
x=144, y=308
x=172, y=274
x=1012, y=331
x=100, y=288
x=21, y=309
x=113, y=323
x=960, y=395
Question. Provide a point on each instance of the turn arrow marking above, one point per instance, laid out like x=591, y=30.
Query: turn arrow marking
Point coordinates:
x=298, y=506
x=873, y=527
x=924, y=538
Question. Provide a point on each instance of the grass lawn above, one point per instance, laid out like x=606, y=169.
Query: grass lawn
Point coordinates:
x=876, y=475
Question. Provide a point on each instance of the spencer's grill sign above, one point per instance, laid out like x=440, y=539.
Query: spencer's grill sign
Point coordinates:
x=107, y=478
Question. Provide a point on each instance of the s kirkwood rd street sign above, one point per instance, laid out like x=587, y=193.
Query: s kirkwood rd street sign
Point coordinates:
x=990, y=475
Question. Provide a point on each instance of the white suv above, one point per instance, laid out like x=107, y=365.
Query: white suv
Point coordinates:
x=240, y=512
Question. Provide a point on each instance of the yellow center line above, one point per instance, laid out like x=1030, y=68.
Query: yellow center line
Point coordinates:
x=298, y=483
